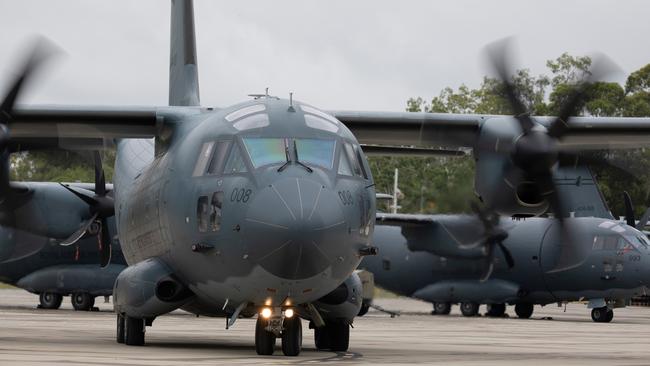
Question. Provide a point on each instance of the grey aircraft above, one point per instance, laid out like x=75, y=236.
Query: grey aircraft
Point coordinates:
x=43, y=266
x=266, y=207
x=434, y=258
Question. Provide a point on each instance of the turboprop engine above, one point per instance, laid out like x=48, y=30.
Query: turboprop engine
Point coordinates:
x=148, y=289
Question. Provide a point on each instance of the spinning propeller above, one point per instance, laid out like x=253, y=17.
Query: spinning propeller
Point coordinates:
x=493, y=237
x=101, y=207
x=535, y=151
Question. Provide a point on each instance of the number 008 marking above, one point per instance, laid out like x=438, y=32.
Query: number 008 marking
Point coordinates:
x=240, y=195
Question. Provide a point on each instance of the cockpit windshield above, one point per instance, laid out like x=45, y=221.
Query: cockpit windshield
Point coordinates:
x=316, y=152
x=266, y=151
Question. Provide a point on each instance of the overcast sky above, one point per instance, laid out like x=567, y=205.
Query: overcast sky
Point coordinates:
x=335, y=54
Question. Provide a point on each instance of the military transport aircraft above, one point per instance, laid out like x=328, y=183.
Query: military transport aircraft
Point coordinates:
x=267, y=207
x=434, y=257
x=43, y=266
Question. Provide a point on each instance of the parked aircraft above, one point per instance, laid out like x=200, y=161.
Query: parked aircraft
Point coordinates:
x=42, y=266
x=266, y=207
x=434, y=257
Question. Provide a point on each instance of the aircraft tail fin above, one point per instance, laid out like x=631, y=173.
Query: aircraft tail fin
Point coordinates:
x=183, y=67
x=579, y=190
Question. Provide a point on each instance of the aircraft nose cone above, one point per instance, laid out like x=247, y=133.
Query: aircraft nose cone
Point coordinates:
x=293, y=228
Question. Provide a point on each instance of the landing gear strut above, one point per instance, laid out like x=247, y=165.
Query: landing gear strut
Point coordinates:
x=50, y=300
x=602, y=315
x=441, y=308
x=469, y=308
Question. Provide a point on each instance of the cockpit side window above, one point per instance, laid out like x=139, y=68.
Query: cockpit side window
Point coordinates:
x=218, y=158
x=352, y=158
x=204, y=158
x=360, y=161
x=344, y=164
x=235, y=163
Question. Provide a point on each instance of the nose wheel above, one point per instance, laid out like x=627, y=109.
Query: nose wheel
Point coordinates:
x=268, y=330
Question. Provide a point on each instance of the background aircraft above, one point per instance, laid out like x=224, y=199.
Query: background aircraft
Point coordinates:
x=43, y=266
x=267, y=206
x=434, y=257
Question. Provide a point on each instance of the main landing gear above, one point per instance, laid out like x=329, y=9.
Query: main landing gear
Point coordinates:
x=469, y=308
x=285, y=325
x=81, y=301
x=129, y=330
x=333, y=336
x=50, y=300
x=524, y=310
x=441, y=308
x=602, y=315
x=496, y=310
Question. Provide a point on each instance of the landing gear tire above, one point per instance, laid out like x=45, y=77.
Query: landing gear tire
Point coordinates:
x=602, y=315
x=292, y=336
x=524, y=310
x=333, y=336
x=469, y=308
x=441, y=308
x=82, y=301
x=50, y=300
x=133, y=331
x=496, y=310
x=119, y=330
x=264, y=340
x=364, y=309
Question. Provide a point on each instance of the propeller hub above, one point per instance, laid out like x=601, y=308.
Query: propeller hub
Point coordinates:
x=535, y=152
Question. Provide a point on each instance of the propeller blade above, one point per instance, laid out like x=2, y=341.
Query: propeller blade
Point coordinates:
x=506, y=253
x=601, y=67
x=79, y=233
x=488, y=271
x=104, y=241
x=643, y=220
x=84, y=194
x=629, y=209
x=498, y=54
x=100, y=180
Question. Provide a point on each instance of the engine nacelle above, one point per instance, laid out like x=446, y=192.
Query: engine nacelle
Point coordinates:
x=344, y=302
x=498, y=182
x=148, y=289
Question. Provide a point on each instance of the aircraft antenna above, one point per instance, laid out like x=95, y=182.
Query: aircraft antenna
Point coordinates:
x=291, y=108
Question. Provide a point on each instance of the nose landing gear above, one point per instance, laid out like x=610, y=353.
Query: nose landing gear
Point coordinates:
x=277, y=324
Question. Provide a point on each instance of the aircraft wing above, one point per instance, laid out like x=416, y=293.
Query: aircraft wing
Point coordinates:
x=35, y=127
x=446, y=130
x=438, y=234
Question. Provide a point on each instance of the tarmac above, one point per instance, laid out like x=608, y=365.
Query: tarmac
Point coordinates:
x=554, y=336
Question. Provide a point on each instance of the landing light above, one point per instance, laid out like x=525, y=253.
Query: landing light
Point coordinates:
x=266, y=313
x=288, y=313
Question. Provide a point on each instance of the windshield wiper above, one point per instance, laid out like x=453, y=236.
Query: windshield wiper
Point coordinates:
x=295, y=151
x=286, y=156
